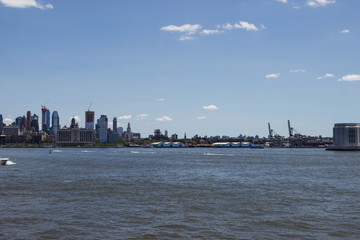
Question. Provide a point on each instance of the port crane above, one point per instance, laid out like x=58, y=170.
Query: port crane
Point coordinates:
x=270, y=132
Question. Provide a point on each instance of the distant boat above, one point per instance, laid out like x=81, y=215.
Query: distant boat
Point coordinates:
x=3, y=161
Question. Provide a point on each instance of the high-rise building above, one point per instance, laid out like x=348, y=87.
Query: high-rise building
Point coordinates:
x=166, y=133
x=35, y=122
x=23, y=123
x=1, y=123
x=43, y=118
x=103, y=126
x=89, y=119
x=157, y=133
x=47, y=118
x=115, y=124
x=18, y=121
x=120, y=130
x=28, y=120
x=55, y=122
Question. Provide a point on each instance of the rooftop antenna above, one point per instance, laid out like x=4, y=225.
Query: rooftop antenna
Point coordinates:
x=89, y=106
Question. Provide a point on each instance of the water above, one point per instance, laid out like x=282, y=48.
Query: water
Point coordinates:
x=199, y=193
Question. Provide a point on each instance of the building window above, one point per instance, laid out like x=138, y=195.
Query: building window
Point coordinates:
x=352, y=135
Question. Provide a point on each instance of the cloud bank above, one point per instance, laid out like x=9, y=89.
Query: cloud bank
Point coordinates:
x=25, y=4
x=350, y=78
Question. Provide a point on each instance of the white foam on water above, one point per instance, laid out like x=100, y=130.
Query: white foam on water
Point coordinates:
x=9, y=163
x=87, y=151
x=218, y=154
x=57, y=150
x=67, y=181
x=135, y=152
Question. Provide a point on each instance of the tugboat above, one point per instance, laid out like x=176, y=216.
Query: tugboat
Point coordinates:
x=3, y=161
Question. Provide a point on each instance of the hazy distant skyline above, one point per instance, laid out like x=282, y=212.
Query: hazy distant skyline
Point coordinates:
x=202, y=66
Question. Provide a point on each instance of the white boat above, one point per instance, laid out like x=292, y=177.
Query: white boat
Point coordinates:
x=3, y=161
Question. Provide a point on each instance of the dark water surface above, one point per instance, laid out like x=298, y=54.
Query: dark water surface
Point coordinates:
x=199, y=193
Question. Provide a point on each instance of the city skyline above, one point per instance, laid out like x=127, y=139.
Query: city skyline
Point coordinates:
x=200, y=67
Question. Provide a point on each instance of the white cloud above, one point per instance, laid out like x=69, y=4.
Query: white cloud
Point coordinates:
x=25, y=4
x=273, y=75
x=77, y=118
x=297, y=70
x=210, y=107
x=160, y=99
x=327, y=75
x=202, y=117
x=210, y=31
x=242, y=25
x=164, y=119
x=186, y=37
x=345, y=31
x=283, y=1
x=319, y=3
x=8, y=121
x=350, y=78
x=141, y=116
x=186, y=28
x=124, y=117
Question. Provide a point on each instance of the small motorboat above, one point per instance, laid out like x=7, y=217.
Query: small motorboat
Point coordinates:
x=3, y=161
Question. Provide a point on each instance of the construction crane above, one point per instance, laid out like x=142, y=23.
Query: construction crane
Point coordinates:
x=270, y=131
x=89, y=106
x=290, y=129
x=43, y=105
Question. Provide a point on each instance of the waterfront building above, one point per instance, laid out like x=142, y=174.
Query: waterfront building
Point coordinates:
x=346, y=136
x=136, y=135
x=89, y=119
x=55, y=122
x=168, y=144
x=75, y=135
x=28, y=121
x=166, y=133
x=113, y=137
x=11, y=130
x=115, y=124
x=174, y=137
x=103, y=127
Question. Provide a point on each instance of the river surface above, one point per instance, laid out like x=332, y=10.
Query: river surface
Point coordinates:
x=200, y=193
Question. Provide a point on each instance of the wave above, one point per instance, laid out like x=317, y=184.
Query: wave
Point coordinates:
x=67, y=181
x=135, y=152
x=218, y=154
x=57, y=150
x=87, y=151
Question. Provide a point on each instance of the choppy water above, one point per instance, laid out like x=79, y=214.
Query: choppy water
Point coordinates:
x=197, y=193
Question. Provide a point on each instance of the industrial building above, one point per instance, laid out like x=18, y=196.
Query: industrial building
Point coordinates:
x=346, y=137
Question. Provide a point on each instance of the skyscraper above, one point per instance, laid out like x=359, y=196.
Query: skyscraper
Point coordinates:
x=28, y=121
x=43, y=119
x=89, y=119
x=47, y=118
x=1, y=123
x=103, y=126
x=35, y=122
x=115, y=124
x=18, y=121
x=55, y=122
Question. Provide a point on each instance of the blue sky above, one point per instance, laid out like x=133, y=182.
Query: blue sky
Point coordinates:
x=202, y=66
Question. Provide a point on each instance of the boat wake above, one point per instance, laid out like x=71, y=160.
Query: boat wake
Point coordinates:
x=57, y=150
x=218, y=154
x=8, y=163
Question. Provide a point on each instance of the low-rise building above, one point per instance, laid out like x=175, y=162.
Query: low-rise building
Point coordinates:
x=75, y=135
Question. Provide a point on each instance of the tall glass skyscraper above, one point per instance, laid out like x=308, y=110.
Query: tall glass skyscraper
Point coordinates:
x=103, y=126
x=55, y=122
x=115, y=124
x=1, y=123
x=47, y=118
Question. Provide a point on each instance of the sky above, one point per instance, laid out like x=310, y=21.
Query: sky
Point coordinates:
x=206, y=67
